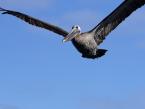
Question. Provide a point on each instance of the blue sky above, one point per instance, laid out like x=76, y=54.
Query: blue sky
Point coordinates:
x=38, y=71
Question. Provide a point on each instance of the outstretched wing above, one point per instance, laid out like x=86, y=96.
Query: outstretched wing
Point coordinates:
x=115, y=18
x=36, y=22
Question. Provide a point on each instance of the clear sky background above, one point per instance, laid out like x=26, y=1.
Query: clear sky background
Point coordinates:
x=38, y=71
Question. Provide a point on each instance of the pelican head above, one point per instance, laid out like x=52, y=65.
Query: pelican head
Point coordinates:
x=76, y=30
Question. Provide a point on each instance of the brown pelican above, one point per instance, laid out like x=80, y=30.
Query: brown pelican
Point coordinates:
x=87, y=43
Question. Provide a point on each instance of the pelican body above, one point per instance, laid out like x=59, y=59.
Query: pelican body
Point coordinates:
x=87, y=43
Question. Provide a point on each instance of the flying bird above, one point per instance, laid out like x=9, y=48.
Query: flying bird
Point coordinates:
x=87, y=42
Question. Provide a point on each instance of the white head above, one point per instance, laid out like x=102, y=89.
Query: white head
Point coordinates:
x=76, y=27
x=76, y=30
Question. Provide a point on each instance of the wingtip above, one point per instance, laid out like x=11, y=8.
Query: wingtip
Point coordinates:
x=3, y=10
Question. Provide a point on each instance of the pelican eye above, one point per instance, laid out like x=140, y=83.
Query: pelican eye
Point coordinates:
x=76, y=27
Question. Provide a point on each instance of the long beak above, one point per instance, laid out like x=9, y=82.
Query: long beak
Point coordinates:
x=71, y=35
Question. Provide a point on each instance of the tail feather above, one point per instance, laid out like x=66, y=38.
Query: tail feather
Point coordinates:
x=100, y=53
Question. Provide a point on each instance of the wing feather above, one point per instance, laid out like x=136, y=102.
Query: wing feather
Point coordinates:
x=115, y=18
x=35, y=22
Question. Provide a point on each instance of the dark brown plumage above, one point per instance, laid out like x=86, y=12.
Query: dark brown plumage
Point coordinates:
x=115, y=18
x=87, y=43
x=36, y=22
